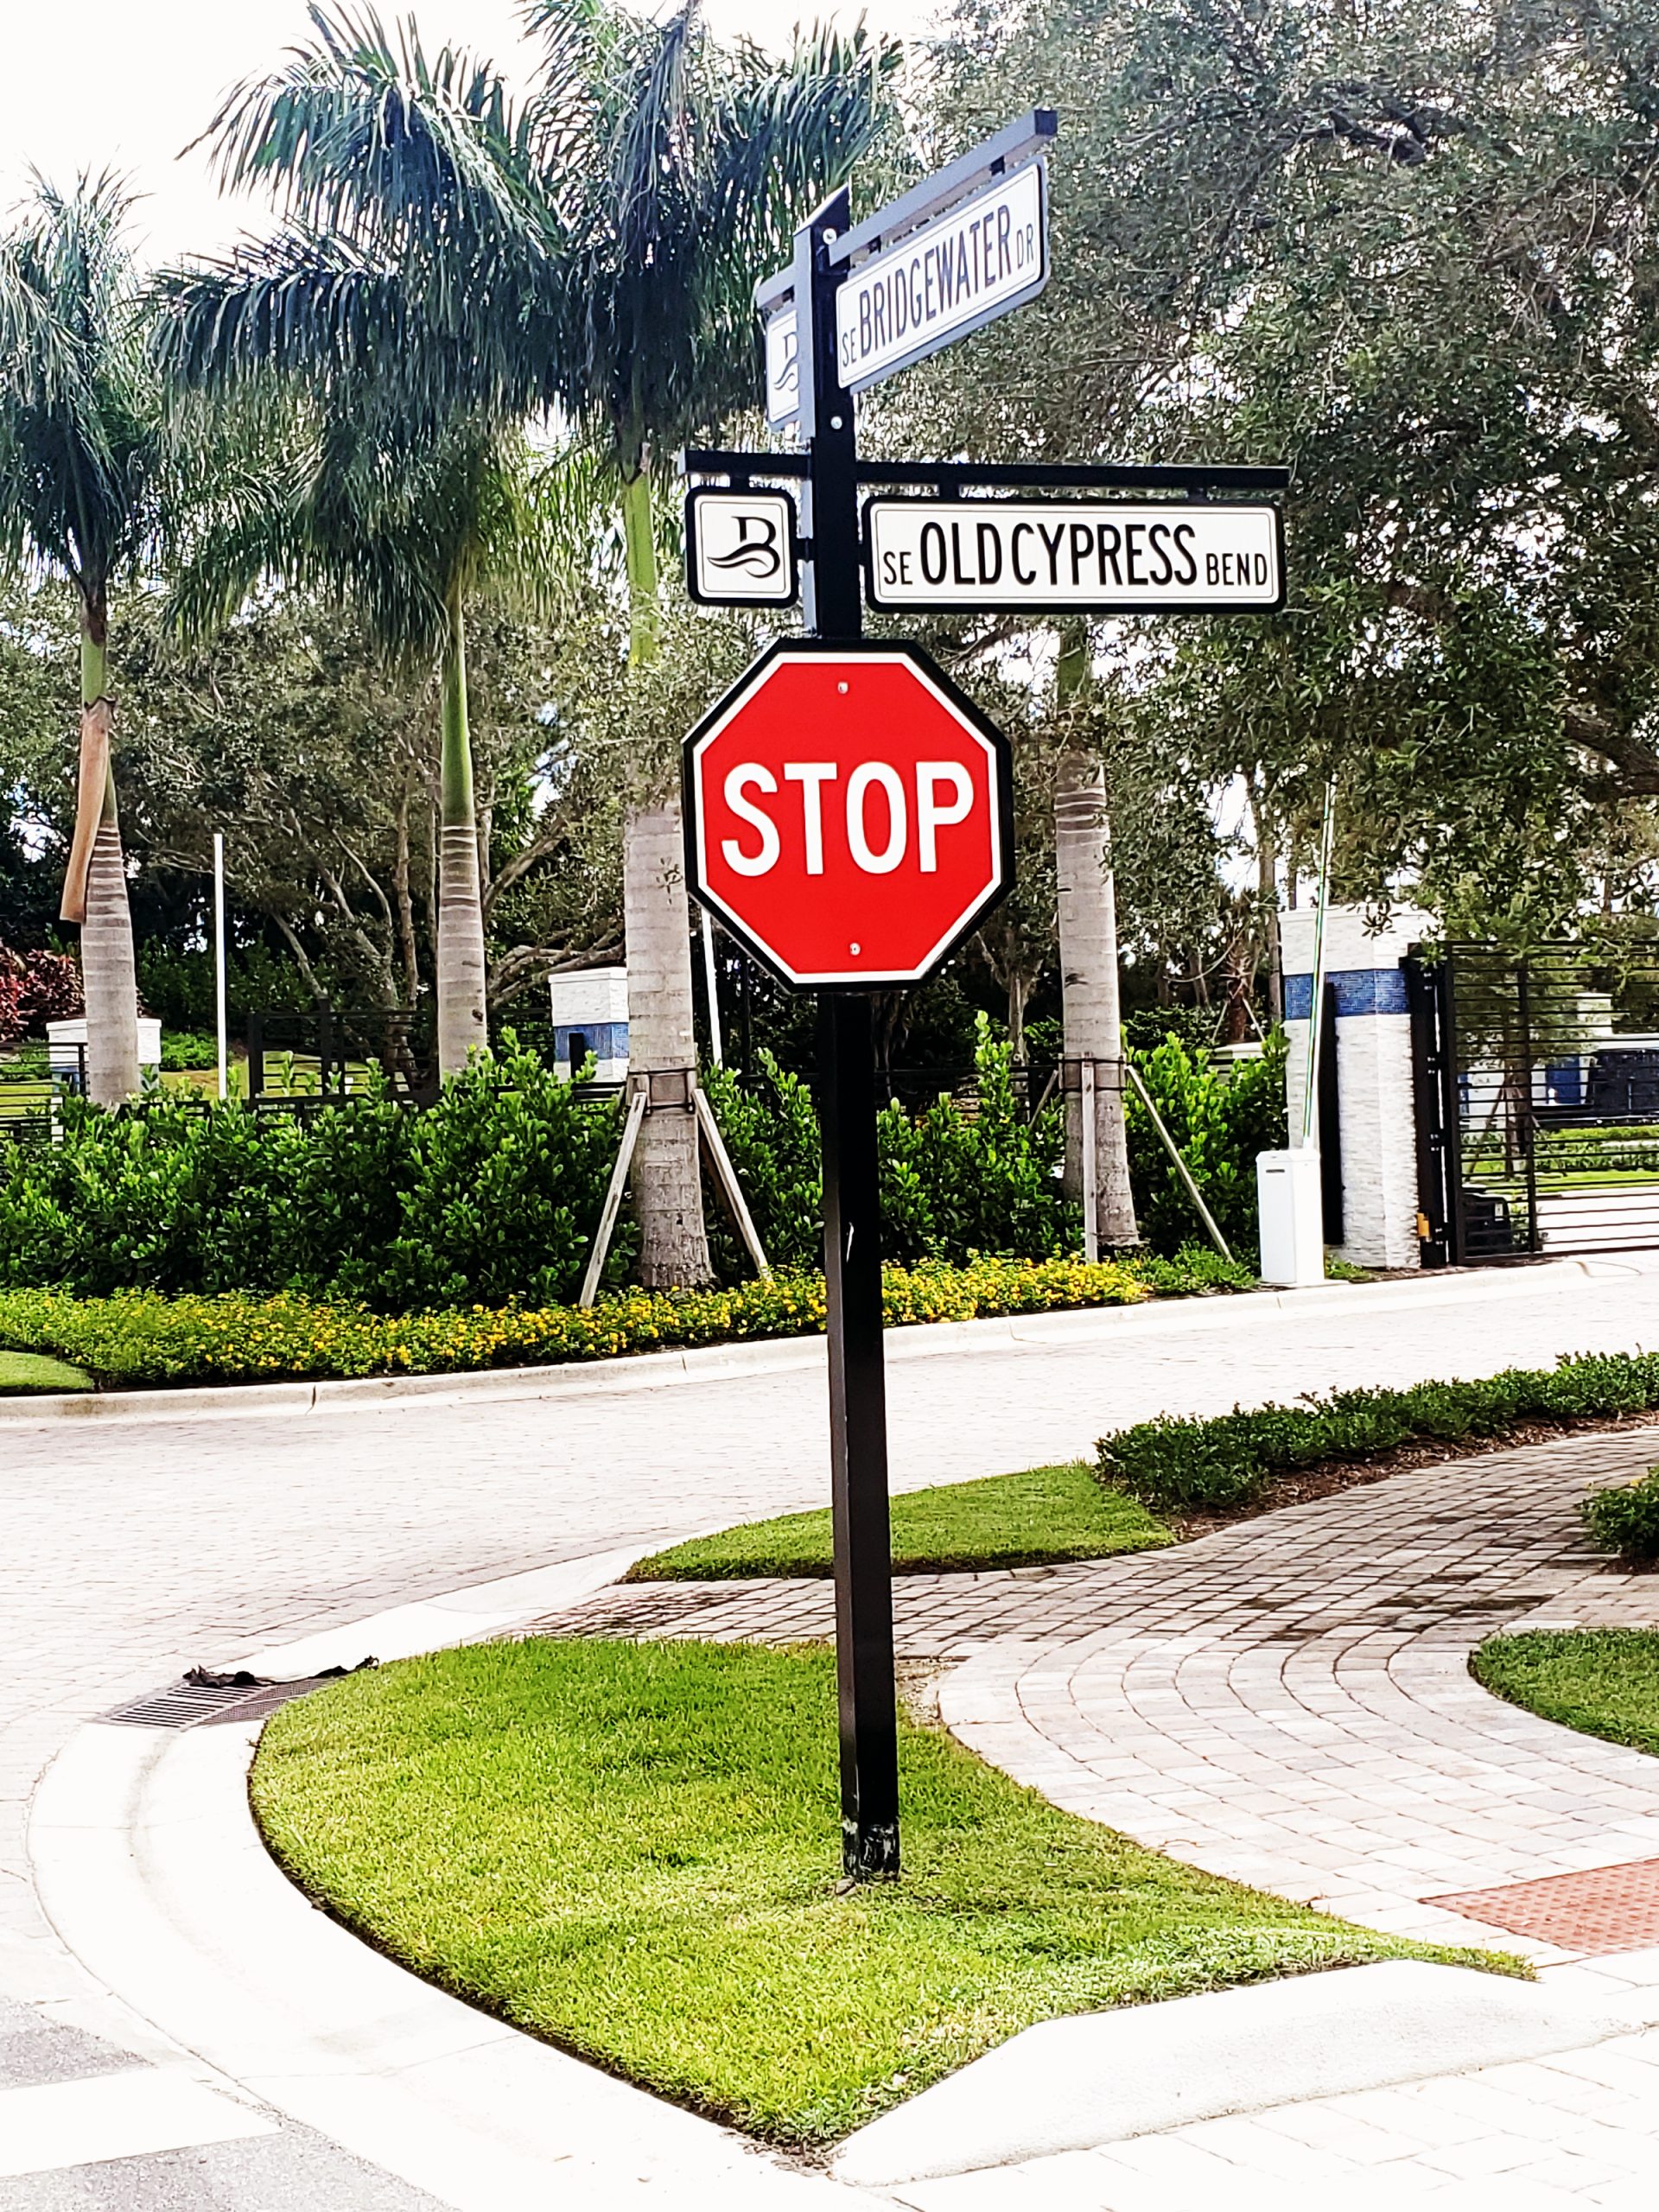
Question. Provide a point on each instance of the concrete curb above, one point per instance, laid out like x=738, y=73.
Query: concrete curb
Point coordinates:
x=148, y=1866
x=1078, y=2083
x=777, y=1355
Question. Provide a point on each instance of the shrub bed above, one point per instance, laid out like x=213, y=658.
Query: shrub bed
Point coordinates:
x=953, y=1183
x=1231, y=1460
x=1625, y=1520
x=139, y=1337
x=494, y=1194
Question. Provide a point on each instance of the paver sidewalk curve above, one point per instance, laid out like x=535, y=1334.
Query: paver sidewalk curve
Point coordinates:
x=1289, y=1702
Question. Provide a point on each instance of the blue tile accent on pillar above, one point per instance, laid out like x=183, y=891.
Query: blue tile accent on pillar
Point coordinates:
x=607, y=1040
x=1360, y=990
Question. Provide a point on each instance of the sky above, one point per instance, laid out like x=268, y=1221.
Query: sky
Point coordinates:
x=128, y=84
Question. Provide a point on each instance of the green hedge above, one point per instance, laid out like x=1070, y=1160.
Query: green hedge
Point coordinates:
x=952, y=1184
x=1219, y=1119
x=1625, y=1520
x=493, y=1195
x=138, y=1338
x=1230, y=1459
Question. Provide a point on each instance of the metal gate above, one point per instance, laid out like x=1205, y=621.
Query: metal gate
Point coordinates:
x=1537, y=1102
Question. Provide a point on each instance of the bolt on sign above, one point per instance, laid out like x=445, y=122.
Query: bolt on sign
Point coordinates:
x=849, y=814
x=741, y=548
x=783, y=344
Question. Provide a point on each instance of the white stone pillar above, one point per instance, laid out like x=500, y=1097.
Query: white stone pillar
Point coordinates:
x=1375, y=1107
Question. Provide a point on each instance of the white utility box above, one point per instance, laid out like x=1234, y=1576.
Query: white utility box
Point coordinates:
x=1291, y=1203
x=65, y=1047
x=590, y=1008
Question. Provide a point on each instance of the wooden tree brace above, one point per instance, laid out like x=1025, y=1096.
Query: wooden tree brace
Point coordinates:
x=613, y=1198
x=670, y=1090
x=731, y=1189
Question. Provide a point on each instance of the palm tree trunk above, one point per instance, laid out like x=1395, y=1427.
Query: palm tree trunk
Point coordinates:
x=667, y=1186
x=1089, y=980
x=95, y=885
x=463, y=1019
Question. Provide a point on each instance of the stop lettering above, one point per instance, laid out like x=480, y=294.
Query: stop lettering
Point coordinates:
x=847, y=813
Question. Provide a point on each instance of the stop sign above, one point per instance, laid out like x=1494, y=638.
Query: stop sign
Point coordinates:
x=848, y=813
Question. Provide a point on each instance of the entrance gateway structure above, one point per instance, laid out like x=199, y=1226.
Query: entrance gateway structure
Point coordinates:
x=1477, y=1106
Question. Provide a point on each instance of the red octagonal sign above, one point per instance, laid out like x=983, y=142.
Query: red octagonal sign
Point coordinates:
x=848, y=813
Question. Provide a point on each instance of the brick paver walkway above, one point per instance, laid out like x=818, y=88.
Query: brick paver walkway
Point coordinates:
x=1287, y=1701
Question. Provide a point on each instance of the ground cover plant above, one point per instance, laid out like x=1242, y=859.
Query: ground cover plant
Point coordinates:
x=1031, y=1519
x=1218, y=1463
x=27, y=1374
x=1603, y=1682
x=137, y=1338
x=631, y=1851
x=1625, y=1520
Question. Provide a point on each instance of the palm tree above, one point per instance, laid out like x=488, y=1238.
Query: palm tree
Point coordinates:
x=1087, y=934
x=81, y=467
x=680, y=168
x=409, y=301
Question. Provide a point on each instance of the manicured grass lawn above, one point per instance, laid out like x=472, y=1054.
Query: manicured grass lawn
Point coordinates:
x=1023, y=1520
x=633, y=1850
x=25, y=1371
x=1604, y=1681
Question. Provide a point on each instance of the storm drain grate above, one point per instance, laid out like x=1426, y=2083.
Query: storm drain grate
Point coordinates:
x=1609, y=1909
x=194, y=1705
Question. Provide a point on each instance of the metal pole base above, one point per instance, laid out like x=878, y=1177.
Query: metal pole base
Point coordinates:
x=869, y=1854
x=858, y=1442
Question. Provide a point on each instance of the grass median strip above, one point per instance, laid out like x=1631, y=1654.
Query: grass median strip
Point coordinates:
x=631, y=1851
x=1603, y=1682
x=1033, y=1519
x=26, y=1374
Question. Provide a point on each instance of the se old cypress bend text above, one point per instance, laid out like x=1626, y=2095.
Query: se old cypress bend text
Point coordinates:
x=1108, y=555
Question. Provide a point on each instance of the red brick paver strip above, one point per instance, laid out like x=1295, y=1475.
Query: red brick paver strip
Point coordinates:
x=1610, y=1908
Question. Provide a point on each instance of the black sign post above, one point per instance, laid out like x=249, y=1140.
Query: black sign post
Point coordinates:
x=947, y=258
x=852, y=1213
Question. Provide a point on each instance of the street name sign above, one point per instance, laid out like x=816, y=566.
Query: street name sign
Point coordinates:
x=949, y=277
x=849, y=814
x=1038, y=557
x=741, y=548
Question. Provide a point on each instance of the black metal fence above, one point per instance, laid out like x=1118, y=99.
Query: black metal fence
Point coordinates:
x=32, y=1080
x=325, y=1055
x=1537, y=1081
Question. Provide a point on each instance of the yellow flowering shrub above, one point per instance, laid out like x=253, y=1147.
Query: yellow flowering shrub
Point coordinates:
x=143, y=1338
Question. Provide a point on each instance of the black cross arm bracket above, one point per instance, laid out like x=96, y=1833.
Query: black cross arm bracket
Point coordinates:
x=956, y=476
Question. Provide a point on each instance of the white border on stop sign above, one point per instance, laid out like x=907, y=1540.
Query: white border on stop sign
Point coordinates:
x=956, y=704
